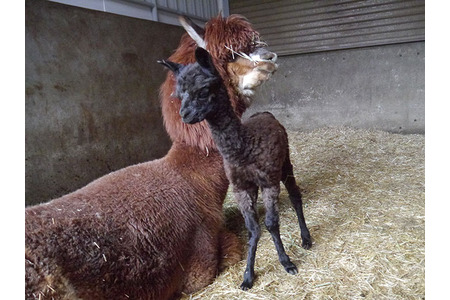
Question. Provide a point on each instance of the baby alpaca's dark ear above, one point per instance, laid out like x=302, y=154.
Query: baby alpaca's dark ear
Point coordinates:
x=204, y=59
x=174, y=67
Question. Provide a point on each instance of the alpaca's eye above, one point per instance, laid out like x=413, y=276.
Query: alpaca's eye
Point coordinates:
x=204, y=94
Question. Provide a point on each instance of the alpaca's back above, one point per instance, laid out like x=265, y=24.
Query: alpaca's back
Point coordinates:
x=270, y=137
x=266, y=126
x=267, y=142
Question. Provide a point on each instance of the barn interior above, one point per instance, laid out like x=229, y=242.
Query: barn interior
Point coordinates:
x=350, y=89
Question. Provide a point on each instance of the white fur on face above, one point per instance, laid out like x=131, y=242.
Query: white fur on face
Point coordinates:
x=257, y=76
x=249, y=81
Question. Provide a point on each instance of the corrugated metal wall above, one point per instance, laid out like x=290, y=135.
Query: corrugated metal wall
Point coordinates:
x=292, y=27
x=165, y=11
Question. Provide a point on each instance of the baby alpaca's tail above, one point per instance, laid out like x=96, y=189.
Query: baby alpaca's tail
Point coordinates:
x=288, y=180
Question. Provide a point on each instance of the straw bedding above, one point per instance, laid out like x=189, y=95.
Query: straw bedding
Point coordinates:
x=364, y=202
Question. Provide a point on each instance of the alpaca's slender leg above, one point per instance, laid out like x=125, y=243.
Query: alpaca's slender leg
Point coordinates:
x=270, y=198
x=296, y=199
x=247, y=205
x=251, y=222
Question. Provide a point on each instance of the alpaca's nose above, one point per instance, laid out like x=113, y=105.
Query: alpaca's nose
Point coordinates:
x=269, y=56
x=264, y=54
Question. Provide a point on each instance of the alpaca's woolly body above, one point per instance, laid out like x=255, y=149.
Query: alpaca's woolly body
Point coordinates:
x=131, y=233
x=149, y=231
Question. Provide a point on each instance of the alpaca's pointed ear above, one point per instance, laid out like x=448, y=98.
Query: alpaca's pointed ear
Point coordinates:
x=195, y=32
x=204, y=59
x=174, y=67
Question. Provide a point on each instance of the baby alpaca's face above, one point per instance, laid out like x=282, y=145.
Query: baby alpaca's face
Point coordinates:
x=198, y=85
x=197, y=88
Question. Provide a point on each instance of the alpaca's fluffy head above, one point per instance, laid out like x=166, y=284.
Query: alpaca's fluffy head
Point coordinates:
x=225, y=39
x=247, y=73
x=198, y=86
x=237, y=51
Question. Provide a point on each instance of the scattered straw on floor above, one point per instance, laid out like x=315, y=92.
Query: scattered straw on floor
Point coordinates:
x=364, y=202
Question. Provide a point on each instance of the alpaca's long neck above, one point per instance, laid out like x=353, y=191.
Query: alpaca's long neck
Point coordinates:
x=227, y=130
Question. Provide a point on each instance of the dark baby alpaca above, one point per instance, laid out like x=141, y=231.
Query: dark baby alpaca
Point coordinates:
x=255, y=152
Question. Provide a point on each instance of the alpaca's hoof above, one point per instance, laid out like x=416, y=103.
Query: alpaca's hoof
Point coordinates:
x=291, y=269
x=249, y=276
x=306, y=242
x=245, y=285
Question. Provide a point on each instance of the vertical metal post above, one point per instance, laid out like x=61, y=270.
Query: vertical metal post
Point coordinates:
x=154, y=11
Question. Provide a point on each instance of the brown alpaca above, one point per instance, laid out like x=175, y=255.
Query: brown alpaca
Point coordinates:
x=152, y=230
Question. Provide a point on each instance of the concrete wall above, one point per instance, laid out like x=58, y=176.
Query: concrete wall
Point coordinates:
x=91, y=92
x=380, y=87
